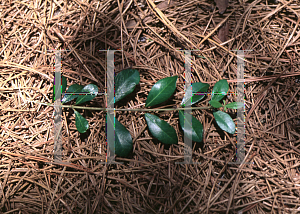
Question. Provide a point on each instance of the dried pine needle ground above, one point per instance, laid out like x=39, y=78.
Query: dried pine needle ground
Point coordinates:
x=151, y=35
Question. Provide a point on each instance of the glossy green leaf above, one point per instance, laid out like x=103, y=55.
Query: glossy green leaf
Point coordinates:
x=196, y=133
x=161, y=130
x=63, y=86
x=235, y=105
x=91, y=89
x=224, y=121
x=123, y=140
x=220, y=90
x=81, y=123
x=196, y=87
x=215, y=104
x=224, y=104
x=75, y=88
x=161, y=91
x=125, y=83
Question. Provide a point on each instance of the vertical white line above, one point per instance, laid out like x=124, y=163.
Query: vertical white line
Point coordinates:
x=240, y=152
x=110, y=127
x=187, y=112
x=57, y=109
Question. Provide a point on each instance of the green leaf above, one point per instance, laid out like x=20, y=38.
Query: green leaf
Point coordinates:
x=224, y=121
x=220, y=90
x=123, y=140
x=63, y=86
x=75, y=88
x=196, y=133
x=161, y=91
x=81, y=123
x=215, y=104
x=125, y=83
x=235, y=105
x=196, y=87
x=224, y=104
x=161, y=130
x=92, y=89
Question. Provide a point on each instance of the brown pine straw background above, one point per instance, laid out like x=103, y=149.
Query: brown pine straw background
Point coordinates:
x=150, y=33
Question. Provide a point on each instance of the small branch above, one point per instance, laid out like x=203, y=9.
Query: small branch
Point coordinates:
x=118, y=109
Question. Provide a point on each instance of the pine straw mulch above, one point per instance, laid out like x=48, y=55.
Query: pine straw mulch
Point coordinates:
x=149, y=181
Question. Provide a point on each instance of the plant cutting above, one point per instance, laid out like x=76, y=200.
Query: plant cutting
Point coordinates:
x=161, y=91
x=89, y=92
